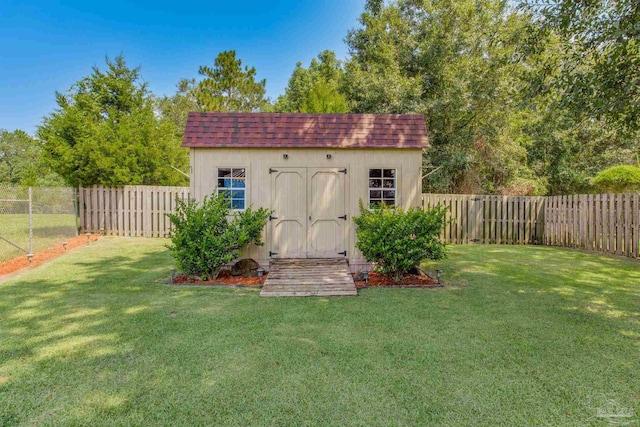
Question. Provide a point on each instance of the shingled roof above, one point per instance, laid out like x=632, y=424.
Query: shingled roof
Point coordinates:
x=275, y=130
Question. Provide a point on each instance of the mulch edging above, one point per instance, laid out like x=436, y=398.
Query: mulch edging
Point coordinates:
x=214, y=285
x=20, y=263
x=364, y=286
x=408, y=281
x=224, y=279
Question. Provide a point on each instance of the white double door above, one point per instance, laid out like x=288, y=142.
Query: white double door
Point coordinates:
x=309, y=218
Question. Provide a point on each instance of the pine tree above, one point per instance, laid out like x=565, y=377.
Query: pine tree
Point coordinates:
x=230, y=87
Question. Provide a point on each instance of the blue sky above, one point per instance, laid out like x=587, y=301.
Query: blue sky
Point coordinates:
x=48, y=45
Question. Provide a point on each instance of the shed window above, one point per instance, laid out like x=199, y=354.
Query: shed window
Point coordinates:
x=382, y=187
x=232, y=183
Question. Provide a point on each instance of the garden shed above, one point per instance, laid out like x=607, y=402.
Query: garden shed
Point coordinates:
x=311, y=170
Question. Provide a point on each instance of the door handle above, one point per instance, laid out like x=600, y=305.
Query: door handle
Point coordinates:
x=309, y=217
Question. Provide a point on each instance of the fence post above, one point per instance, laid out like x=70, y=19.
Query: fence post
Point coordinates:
x=30, y=222
x=76, y=208
x=81, y=207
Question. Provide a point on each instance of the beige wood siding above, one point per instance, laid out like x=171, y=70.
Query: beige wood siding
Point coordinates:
x=259, y=193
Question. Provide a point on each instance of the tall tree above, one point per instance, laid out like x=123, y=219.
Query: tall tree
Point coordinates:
x=454, y=62
x=323, y=98
x=316, y=89
x=173, y=110
x=19, y=155
x=229, y=87
x=106, y=131
x=579, y=126
x=176, y=108
x=598, y=75
x=21, y=161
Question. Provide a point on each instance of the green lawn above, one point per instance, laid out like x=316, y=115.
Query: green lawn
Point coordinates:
x=48, y=229
x=521, y=336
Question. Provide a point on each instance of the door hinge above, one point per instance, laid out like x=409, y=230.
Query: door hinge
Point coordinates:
x=342, y=217
x=272, y=253
x=271, y=218
x=343, y=253
x=344, y=171
x=271, y=170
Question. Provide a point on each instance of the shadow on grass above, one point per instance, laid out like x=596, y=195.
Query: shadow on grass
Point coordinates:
x=96, y=336
x=581, y=283
x=89, y=314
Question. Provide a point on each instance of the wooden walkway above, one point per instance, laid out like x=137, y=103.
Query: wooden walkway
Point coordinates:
x=308, y=278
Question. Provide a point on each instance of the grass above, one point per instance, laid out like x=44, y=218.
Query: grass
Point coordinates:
x=48, y=229
x=521, y=336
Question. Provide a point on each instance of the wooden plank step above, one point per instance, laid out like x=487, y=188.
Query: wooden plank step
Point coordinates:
x=316, y=261
x=306, y=286
x=309, y=268
x=309, y=274
x=299, y=267
x=311, y=280
x=309, y=294
x=278, y=276
x=308, y=262
x=327, y=269
x=308, y=277
x=317, y=278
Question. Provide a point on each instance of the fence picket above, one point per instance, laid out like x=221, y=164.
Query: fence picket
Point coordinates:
x=83, y=223
x=619, y=230
x=139, y=213
x=612, y=223
x=627, y=224
x=129, y=211
x=636, y=225
x=607, y=223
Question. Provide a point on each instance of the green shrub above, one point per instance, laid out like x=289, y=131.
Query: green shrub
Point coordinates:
x=618, y=179
x=207, y=235
x=397, y=240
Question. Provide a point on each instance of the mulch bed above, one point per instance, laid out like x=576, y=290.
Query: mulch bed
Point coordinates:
x=13, y=265
x=408, y=281
x=375, y=280
x=224, y=279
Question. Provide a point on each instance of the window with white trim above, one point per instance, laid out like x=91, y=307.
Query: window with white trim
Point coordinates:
x=232, y=184
x=382, y=187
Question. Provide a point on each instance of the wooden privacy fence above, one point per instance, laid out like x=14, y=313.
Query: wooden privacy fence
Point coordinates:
x=607, y=223
x=490, y=219
x=133, y=210
x=601, y=222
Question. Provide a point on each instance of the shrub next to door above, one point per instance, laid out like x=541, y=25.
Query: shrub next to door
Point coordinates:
x=397, y=240
x=206, y=235
x=310, y=170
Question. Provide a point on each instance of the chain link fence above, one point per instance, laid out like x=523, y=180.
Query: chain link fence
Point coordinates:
x=35, y=218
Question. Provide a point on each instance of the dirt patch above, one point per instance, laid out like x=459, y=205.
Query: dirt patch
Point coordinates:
x=224, y=279
x=48, y=254
x=408, y=281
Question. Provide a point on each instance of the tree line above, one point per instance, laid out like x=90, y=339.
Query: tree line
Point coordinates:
x=528, y=98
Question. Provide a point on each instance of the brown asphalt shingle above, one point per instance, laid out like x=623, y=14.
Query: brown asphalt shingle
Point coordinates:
x=274, y=130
